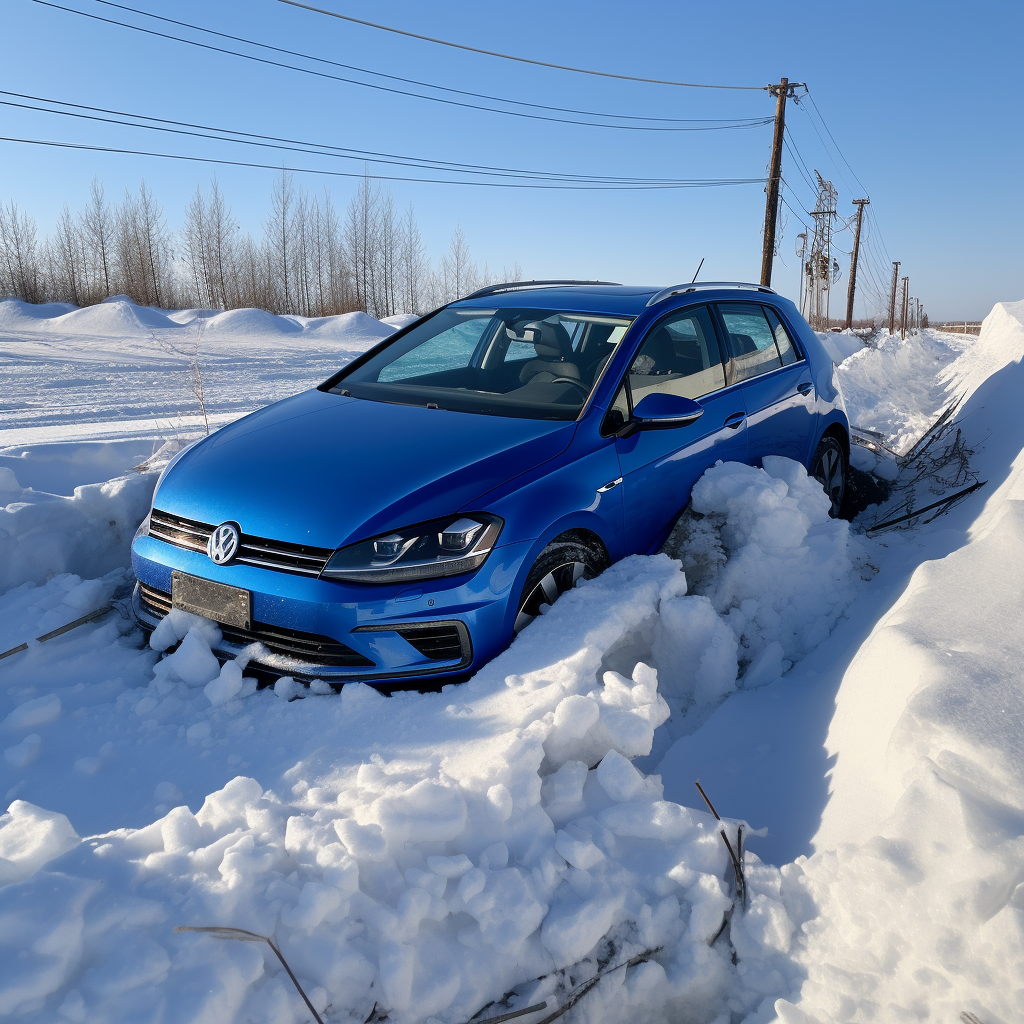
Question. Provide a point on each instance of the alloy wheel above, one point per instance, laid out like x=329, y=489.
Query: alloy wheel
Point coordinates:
x=829, y=473
x=550, y=587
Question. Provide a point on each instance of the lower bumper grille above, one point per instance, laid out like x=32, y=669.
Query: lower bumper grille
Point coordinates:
x=290, y=643
x=439, y=643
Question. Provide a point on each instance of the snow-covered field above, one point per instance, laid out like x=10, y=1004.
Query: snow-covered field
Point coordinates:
x=855, y=698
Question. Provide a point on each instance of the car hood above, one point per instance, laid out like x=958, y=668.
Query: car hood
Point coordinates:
x=326, y=470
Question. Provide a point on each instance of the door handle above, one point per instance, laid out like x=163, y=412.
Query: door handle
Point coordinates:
x=806, y=388
x=608, y=486
x=735, y=420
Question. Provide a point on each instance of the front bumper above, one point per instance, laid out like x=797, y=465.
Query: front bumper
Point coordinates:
x=338, y=632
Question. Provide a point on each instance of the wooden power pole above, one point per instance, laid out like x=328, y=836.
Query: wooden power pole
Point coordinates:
x=771, y=208
x=860, y=204
x=892, y=296
x=903, y=308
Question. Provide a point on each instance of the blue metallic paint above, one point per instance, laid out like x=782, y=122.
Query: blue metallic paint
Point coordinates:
x=327, y=470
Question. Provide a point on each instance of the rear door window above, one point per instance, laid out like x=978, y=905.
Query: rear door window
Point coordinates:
x=751, y=340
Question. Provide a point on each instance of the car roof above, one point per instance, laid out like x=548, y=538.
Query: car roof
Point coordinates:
x=599, y=297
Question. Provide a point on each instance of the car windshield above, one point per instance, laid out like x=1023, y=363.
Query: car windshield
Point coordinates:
x=531, y=363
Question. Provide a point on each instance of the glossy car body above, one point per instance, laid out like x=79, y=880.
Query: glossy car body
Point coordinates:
x=323, y=470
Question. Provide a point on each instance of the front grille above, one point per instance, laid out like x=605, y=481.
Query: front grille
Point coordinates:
x=439, y=643
x=301, y=559
x=290, y=643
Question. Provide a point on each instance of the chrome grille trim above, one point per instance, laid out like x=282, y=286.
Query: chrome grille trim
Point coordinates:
x=281, y=556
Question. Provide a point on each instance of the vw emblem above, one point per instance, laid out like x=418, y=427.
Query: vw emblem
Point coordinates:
x=223, y=543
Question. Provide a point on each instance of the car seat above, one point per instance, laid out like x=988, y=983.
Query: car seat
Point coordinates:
x=554, y=349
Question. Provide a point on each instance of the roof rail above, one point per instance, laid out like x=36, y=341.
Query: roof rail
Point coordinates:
x=515, y=286
x=679, y=289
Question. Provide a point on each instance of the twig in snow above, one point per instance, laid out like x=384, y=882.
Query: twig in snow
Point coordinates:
x=735, y=857
x=968, y=1018
x=241, y=935
x=196, y=376
x=61, y=629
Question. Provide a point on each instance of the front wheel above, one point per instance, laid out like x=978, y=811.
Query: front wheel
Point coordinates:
x=828, y=467
x=559, y=567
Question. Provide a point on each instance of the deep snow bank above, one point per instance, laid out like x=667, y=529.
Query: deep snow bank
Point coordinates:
x=427, y=853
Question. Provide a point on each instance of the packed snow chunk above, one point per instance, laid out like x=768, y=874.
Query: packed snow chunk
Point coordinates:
x=621, y=781
x=177, y=623
x=765, y=668
x=427, y=812
x=193, y=662
x=22, y=754
x=765, y=552
x=40, y=711
x=228, y=807
x=29, y=838
x=366, y=842
x=574, y=926
x=696, y=652
x=226, y=685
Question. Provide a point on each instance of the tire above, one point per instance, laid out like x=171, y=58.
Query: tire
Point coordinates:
x=558, y=568
x=828, y=467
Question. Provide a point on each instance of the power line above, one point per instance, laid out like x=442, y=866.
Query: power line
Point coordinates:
x=413, y=81
x=571, y=187
x=745, y=124
x=300, y=146
x=864, y=191
x=522, y=60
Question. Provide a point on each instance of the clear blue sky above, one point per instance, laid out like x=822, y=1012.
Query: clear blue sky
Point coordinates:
x=924, y=100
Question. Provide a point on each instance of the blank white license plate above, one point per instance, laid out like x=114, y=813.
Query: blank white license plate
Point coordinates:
x=217, y=601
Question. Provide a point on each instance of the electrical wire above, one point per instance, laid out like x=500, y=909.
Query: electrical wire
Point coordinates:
x=571, y=187
x=508, y=56
x=410, y=81
x=299, y=146
x=401, y=92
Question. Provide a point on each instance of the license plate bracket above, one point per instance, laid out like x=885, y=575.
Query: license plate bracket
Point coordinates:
x=218, y=601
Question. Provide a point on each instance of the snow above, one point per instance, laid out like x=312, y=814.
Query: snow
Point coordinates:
x=429, y=853
x=121, y=372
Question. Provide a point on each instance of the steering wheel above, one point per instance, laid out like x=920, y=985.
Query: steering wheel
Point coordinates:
x=571, y=380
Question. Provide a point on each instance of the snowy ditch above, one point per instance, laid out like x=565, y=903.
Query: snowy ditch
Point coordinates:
x=504, y=842
x=423, y=853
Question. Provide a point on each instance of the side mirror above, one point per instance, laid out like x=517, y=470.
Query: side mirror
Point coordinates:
x=662, y=411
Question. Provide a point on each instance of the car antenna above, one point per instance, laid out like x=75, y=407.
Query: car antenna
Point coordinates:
x=697, y=271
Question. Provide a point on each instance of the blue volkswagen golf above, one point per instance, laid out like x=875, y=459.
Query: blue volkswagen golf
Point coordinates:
x=400, y=523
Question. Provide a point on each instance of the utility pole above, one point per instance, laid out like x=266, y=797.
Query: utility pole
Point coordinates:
x=782, y=92
x=903, y=309
x=860, y=204
x=892, y=296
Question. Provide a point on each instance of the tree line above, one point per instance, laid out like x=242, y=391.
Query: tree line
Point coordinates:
x=310, y=259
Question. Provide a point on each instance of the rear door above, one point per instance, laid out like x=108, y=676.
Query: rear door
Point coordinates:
x=778, y=391
x=681, y=355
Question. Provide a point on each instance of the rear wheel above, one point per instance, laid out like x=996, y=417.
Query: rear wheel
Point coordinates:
x=559, y=567
x=828, y=467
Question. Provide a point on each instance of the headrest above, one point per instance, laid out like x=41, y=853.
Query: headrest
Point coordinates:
x=551, y=341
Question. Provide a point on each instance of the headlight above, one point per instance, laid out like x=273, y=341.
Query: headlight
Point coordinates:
x=442, y=547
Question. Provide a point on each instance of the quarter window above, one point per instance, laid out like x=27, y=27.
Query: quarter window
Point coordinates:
x=680, y=357
x=751, y=341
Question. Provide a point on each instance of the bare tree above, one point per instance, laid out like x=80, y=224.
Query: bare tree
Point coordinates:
x=143, y=249
x=66, y=261
x=414, y=265
x=278, y=229
x=98, y=229
x=20, y=272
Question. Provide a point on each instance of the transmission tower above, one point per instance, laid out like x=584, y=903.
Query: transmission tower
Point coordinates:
x=821, y=269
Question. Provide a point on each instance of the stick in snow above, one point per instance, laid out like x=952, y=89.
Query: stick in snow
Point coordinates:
x=241, y=935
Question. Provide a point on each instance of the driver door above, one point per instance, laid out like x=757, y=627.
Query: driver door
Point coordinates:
x=681, y=355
